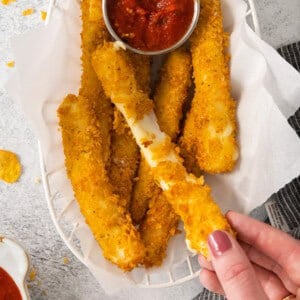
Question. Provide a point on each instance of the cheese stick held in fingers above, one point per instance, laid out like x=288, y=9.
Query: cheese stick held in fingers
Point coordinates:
x=109, y=221
x=169, y=99
x=209, y=136
x=190, y=197
x=161, y=222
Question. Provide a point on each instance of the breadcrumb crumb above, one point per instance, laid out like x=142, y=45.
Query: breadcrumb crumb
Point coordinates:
x=37, y=180
x=10, y=167
x=66, y=261
x=43, y=15
x=27, y=12
x=10, y=64
x=32, y=274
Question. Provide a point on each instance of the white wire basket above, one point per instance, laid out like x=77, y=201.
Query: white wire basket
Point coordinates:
x=188, y=270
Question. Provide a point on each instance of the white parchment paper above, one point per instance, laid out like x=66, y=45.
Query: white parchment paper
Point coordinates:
x=266, y=87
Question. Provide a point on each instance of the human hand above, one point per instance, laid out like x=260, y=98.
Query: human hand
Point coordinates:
x=263, y=264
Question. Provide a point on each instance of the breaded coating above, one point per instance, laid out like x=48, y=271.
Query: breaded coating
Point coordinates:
x=209, y=136
x=200, y=214
x=144, y=190
x=191, y=199
x=159, y=226
x=128, y=94
x=189, y=196
x=142, y=66
x=10, y=166
x=125, y=154
x=108, y=220
x=171, y=94
x=94, y=33
x=172, y=91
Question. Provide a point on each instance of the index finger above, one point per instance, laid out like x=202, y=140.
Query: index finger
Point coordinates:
x=276, y=244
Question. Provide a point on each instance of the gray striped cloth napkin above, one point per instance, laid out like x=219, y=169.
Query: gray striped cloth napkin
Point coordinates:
x=282, y=210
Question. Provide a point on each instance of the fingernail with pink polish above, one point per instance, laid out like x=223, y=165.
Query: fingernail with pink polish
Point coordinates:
x=219, y=243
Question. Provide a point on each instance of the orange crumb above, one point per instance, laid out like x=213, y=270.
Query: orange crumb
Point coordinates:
x=162, y=149
x=28, y=12
x=119, y=123
x=37, y=180
x=10, y=167
x=169, y=171
x=32, y=274
x=66, y=260
x=146, y=143
x=10, y=64
x=43, y=15
x=6, y=2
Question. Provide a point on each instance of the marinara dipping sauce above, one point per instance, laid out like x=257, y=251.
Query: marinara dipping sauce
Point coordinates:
x=150, y=25
x=8, y=288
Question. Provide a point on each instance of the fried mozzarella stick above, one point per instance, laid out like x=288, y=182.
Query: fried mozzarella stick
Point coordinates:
x=94, y=33
x=144, y=190
x=156, y=230
x=124, y=159
x=209, y=135
x=109, y=221
x=171, y=94
x=189, y=196
x=125, y=154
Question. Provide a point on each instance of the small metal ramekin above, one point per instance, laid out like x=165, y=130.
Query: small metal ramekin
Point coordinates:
x=163, y=51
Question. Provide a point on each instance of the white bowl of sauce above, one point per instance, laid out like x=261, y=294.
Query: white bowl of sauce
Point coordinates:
x=14, y=265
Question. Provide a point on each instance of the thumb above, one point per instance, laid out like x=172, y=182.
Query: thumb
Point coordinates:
x=233, y=268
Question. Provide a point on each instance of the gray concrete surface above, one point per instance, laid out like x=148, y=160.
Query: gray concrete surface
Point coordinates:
x=23, y=210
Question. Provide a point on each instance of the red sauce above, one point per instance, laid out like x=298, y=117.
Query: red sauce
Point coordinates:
x=150, y=24
x=8, y=288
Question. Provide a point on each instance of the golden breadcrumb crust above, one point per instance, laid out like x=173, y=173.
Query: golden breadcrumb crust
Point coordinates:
x=125, y=154
x=107, y=218
x=193, y=202
x=124, y=163
x=94, y=33
x=209, y=137
x=119, y=76
x=10, y=167
x=158, y=227
x=144, y=190
x=160, y=222
x=190, y=199
x=172, y=91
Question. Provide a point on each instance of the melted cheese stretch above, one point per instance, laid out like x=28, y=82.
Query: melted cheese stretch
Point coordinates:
x=170, y=96
x=190, y=198
x=160, y=222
